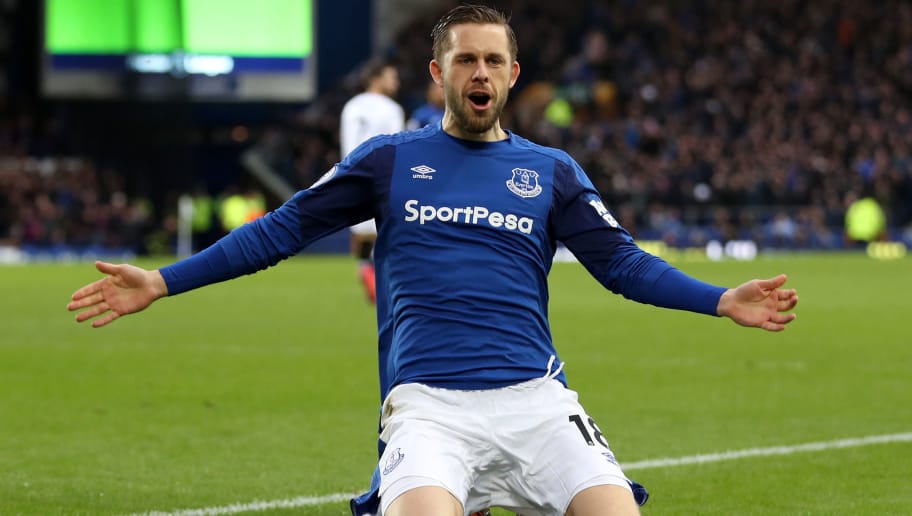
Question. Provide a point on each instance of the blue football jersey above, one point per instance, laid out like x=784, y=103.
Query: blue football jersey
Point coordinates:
x=426, y=114
x=463, y=251
x=466, y=233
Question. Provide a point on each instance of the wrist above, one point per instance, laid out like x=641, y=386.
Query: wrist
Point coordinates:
x=157, y=281
x=724, y=305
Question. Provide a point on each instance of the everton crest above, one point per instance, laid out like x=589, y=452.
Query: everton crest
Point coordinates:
x=524, y=183
x=393, y=460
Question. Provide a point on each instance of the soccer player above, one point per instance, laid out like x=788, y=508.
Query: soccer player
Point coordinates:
x=476, y=408
x=367, y=114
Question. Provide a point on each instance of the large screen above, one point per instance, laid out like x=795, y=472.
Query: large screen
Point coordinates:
x=223, y=50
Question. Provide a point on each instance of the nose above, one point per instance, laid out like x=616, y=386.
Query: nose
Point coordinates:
x=481, y=72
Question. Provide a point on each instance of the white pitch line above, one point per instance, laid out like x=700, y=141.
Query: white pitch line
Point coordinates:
x=305, y=501
x=766, y=452
x=235, y=508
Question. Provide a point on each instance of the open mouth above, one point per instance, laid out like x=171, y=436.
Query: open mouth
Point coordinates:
x=480, y=100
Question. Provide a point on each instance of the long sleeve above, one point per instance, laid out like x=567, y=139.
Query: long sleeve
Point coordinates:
x=610, y=254
x=344, y=196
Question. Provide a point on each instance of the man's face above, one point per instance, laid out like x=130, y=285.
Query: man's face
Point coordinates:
x=389, y=81
x=477, y=73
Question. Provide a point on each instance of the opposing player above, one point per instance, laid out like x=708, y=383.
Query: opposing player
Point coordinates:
x=476, y=408
x=370, y=113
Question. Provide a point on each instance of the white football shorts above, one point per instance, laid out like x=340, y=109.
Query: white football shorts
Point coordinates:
x=368, y=227
x=529, y=448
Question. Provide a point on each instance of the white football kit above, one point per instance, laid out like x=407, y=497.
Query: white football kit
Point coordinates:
x=364, y=116
x=494, y=448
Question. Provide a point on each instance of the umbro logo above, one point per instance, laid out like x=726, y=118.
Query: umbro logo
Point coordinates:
x=422, y=172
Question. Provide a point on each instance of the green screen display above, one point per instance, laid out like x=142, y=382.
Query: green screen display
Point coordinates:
x=241, y=27
x=88, y=26
x=273, y=28
x=231, y=50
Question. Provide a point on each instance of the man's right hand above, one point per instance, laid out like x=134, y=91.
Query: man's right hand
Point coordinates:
x=125, y=290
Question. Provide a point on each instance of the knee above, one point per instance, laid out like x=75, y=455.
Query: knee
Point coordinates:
x=425, y=501
x=603, y=500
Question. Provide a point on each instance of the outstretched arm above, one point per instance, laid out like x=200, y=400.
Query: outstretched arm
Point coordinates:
x=125, y=290
x=760, y=304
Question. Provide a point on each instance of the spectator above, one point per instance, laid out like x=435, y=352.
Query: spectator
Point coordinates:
x=864, y=220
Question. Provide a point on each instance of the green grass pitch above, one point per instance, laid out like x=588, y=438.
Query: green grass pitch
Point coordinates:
x=265, y=389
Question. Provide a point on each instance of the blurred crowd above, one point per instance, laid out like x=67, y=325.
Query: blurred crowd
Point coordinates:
x=696, y=120
x=49, y=202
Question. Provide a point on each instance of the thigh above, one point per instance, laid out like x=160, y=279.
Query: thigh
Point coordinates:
x=599, y=500
x=425, y=501
x=426, y=446
x=576, y=456
x=562, y=455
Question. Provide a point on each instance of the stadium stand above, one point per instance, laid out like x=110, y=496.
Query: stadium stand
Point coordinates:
x=749, y=121
x=697, y=121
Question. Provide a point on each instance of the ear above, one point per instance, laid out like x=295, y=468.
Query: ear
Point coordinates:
x=515, y=73
x=436, y=72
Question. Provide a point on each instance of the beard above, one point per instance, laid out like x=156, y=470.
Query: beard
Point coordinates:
x=466, y=117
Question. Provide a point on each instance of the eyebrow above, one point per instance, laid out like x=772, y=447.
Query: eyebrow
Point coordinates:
x=487, y=55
